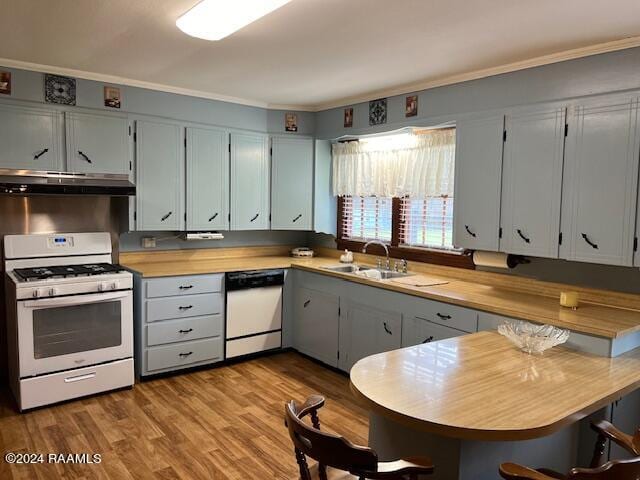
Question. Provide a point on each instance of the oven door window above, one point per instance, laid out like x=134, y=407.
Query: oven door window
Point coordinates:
x=78, y=328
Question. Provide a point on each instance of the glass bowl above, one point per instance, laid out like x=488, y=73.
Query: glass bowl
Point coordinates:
x=533, y=338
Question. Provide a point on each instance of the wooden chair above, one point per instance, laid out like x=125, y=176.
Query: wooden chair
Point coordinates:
x=628, y=469
x=338, y=452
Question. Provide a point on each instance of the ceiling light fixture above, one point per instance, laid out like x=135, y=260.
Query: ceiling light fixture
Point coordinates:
x=216, y=19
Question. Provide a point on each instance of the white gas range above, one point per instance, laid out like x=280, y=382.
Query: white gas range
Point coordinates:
x=69, y=317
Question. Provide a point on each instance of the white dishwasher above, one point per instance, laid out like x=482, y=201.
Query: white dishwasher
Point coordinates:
x=254, y=312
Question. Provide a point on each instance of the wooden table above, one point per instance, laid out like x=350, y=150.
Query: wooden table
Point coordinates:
x=472, y=402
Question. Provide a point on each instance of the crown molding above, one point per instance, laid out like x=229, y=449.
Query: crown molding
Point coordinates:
x=622, y=44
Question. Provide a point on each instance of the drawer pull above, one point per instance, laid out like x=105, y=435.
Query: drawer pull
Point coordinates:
x=586, y=239
x=306, y=304
x=40, y=153
x=166, y=216
x=444, y=317
x=185, y=307
x=297, y=218
x=386, y=329
x=254, y=217
x=185, y=287
x=83, y=155
x=188, y=330
x=429, y=339
x=526, y=239
x=466, y=227
x=184, y=355
x=213, y=217
x=79, y=378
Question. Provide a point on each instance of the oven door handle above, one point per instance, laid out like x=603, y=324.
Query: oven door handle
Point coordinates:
x=76, y=299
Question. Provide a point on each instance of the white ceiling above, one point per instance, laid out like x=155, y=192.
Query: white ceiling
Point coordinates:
x=311, y=54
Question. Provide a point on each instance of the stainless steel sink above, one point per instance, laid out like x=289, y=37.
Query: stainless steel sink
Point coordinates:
x=385, y=274
x=347, y=268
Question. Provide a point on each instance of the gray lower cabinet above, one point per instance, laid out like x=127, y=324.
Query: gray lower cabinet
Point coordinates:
x=418, y=330
x=31, y=138
x=316, y=323
x=365, y=331
x=179, y=322
x=98, y=143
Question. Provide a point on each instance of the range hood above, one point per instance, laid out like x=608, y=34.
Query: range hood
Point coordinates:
x=29, y=182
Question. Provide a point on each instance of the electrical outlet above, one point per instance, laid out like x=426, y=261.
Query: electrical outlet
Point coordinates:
x=148, y=242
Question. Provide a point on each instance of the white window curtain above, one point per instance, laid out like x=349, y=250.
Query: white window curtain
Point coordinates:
x=414, y=165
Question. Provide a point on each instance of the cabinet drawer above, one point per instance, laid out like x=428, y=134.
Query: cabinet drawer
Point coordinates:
x=184, y=285
x=431, y=332
x=182, y=354
x=187, y=306
x=193, y=328
x=451, y=316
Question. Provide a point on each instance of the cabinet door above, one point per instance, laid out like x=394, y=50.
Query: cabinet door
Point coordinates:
x=366, y=331
x=316, y=325
x=31, y=138
x=476, y=208
x=600, y=183
x=417, y=330
x=98, y=143
x=625, y=414
x=292, y=183
x=325, y=204
x=250, y=181
x=532, y=183
x=207, y=179
x=160, y=176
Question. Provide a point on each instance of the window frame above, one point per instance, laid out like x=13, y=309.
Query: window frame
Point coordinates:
x=397, y=250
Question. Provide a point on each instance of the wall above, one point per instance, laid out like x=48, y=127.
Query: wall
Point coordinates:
x=131, y=241
x=29, y=86
x=603, y=73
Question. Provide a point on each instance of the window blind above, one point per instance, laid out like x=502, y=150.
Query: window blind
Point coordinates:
x=366, y=218
x=427, y=222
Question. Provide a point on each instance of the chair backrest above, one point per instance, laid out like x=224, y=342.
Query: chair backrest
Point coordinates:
x=613, y=470
x=325, y=448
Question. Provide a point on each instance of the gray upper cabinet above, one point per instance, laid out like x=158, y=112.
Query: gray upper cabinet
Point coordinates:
x=532, y=182
x=98, y=143
x=325, y=204
x=291, y=183
x=31, y=138
x=250, y=181
x=477, y=183
x=207, y=179
x=600, y=182
x=160, y=176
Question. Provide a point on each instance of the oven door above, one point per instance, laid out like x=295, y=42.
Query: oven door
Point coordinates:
x=62, y=333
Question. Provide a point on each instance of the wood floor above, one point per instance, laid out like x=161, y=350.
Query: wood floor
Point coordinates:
x=221, y=423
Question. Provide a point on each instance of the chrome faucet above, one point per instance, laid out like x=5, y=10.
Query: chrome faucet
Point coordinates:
x=383, y=245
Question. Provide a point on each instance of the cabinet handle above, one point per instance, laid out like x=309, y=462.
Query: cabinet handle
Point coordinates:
x=166, y=216
x=586, y=239
x=254, y=217
x=527, y=240
x=84, y=156
x=213, y=217
x=185, y=287
x=185, y=307
x=40, y=153
x=386, y=329
x=444, y=317
x=185, y=354
x=428, y=339
x=188, y=330
x=466, y=227
x=297, y=218
x=306, y=304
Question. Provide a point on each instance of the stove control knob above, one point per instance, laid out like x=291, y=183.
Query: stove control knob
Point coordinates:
x=114, y=286
x=52, y=292
x=35, y=293
x=101, y=287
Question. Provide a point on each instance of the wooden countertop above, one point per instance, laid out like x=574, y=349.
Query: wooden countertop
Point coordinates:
x=601, y=313
x=481, y=387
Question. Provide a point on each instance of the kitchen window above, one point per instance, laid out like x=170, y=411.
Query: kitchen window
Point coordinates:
x=399, y=189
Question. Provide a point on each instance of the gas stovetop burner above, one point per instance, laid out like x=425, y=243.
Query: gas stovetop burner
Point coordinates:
x=65, y=271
